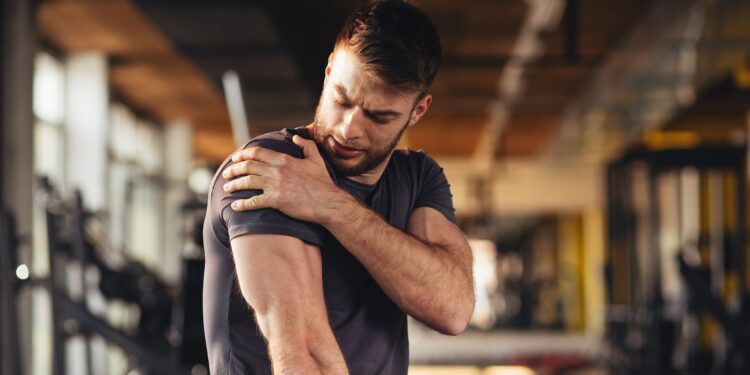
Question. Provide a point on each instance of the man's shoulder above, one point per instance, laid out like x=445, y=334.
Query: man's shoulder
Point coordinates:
x=405, y=158
x=280, y=141
x=405, y=155
x=415, y=166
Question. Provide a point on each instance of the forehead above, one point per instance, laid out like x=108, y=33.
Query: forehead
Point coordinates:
x=357, y=83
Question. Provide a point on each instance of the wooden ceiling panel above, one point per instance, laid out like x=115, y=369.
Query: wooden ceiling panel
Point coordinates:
x=526, y=135
x=158, y=82
x=213, y=145
x=476, y=28
x=153, y=75
x=427, y=5
x=146, y=72
x=602, y=24
x=115, y=27
x=561, y=80
x=248, y=25
x=479, y=45
x=466, y=81
x=544, y=105
x=499, y=20
x=277, y=67
x=171, y=89
x=453, y=105
x=572, y=53
x=447, y=135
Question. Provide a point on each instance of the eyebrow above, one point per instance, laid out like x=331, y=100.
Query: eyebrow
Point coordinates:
x=372, y=112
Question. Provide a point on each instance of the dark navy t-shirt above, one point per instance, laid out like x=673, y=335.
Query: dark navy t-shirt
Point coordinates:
x=369, y=327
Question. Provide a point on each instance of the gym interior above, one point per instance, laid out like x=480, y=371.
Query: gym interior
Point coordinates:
x=596, y=152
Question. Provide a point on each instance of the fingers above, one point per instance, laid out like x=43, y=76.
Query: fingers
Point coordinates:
x=247, y=167
x=245, y=183
x=260, y=154
x=254, y=203
x=309, y=147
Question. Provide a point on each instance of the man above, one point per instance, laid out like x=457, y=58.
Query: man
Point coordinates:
x=319, y=240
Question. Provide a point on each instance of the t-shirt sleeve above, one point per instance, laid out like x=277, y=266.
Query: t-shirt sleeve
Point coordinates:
x=266, y=220
x=435, y=191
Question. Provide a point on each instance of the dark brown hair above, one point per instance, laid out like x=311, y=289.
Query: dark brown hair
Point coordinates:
x=394, y=41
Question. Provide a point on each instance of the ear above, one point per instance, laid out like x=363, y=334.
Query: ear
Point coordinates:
x=420, y=109
x=328, y=66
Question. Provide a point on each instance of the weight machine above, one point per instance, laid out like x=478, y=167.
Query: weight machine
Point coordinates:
x=168, y=338
x=676, y=270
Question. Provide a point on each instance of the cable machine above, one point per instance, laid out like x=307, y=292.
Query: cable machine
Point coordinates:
x=676, y=267
x=158, y=345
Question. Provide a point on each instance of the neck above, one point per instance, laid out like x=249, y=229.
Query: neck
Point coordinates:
x=372, y=176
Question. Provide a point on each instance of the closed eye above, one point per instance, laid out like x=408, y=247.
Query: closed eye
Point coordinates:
x=378, y=120
x=382, y=120
x=343, y=104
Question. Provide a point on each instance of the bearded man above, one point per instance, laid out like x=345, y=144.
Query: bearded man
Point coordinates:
x=321, y=239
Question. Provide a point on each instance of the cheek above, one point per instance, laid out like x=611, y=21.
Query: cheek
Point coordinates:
x=379, y=138
x=330, y=110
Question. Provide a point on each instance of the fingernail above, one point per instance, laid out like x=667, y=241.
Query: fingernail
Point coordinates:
x=234, y=157
x=225, y=174
x=226, y=186
x=235, y=204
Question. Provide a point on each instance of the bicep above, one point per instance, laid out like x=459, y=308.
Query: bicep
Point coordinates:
x=279, y=276
x=432, y=227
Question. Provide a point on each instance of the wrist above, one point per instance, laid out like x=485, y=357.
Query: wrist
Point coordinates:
x=339, y=210
x=290, y=358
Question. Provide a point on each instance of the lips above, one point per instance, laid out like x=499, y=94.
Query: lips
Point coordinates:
x=343, y=151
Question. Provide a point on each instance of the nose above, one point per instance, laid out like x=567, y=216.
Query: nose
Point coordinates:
x=351, y=128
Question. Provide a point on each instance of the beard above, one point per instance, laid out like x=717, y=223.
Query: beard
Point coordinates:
x=371, y=157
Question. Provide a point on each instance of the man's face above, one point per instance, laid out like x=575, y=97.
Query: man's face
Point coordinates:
x=359, y=119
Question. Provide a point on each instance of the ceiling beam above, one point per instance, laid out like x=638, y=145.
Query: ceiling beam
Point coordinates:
x=572, y=29
x=482, y=62
x=308, y=32
x=197, y=3
x=232, y=51
x=474, y=62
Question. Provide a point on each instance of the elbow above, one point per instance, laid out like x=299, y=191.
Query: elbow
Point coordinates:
x=457, y=323
x=454, y=328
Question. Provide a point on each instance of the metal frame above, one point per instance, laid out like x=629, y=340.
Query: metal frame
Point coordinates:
x=9, y=285
x=2, y=96
x=72, y=317
x=654, y=357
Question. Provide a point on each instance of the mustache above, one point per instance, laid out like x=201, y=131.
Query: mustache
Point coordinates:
x=346, y=144
x=321, y=136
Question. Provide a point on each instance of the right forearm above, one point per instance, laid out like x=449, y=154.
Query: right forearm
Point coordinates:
x=314, y=360
x=301, y=346
x=329, y=358
x=288, y=303
x=288, y=362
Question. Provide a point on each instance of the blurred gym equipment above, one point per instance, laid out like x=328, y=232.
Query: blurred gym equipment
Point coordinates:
x=676, y=269
x=168, y=339
x=9, y=285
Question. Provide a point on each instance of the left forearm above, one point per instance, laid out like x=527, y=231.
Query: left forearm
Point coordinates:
x=427, y=281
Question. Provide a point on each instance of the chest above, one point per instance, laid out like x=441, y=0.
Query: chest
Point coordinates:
x=347, y=284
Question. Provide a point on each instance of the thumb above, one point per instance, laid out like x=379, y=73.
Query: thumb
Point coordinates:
x=309, y=148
